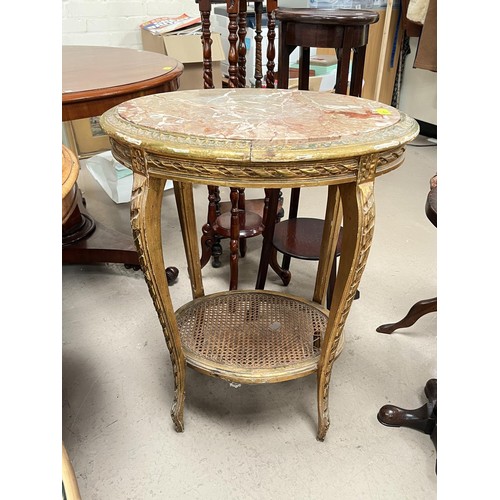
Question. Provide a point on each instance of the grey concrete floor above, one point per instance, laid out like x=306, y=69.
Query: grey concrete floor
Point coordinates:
x=252, y=442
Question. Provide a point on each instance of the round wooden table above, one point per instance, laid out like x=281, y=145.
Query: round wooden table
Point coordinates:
x=266, y=139
x=94, y=79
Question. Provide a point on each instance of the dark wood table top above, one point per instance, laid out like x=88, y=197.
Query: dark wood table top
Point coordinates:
x=342, y=17
x=94, y=79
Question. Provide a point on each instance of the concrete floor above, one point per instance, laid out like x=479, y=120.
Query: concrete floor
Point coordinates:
x=252, y=442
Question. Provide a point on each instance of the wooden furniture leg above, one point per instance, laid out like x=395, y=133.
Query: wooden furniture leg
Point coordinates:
x=71, y=491
x=423, y=306
x=145, y=218
x=423, y=419
x=267, y=243
x=418, y=310
x=210, y=242
x=185, y=209
x=358, y=205
x=234, y=242
x=242, y=244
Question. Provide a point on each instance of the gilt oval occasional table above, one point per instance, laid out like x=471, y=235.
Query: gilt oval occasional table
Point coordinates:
x=256, y=138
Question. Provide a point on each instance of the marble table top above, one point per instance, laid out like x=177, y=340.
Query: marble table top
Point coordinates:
x=258, y=125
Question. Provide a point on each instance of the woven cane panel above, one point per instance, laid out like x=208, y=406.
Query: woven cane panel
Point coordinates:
x=252, y=329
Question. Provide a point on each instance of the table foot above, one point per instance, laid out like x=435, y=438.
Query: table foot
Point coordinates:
x=172, y=274
x=83, y=230
x=322, y=429
x=423, y=419
x=177, y=412
x=130, y=266
x=284, y=274
x=211, y=247
x=418, y=419
x=418, y=310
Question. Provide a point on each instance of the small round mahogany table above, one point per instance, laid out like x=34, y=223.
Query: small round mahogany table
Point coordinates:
x=263, y=139
x=94, y=79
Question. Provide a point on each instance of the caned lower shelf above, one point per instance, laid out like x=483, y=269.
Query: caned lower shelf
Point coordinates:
x=252, y=336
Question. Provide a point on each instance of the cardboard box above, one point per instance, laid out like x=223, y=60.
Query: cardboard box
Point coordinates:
x=186, y=47
x=314, y=83
x=88, y=137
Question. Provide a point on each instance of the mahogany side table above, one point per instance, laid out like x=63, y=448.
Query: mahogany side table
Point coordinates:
x=94, y=79
x=216, y=136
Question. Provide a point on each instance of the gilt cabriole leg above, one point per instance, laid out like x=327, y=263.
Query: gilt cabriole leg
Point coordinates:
x=358, y=205
x=185, y=209
x=145, y=211
x=329, y=241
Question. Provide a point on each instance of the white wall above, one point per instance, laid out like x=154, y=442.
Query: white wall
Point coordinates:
x=419, y=90
x=115, y=23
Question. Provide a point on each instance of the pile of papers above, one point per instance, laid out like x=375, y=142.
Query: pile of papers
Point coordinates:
x=167, y=24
